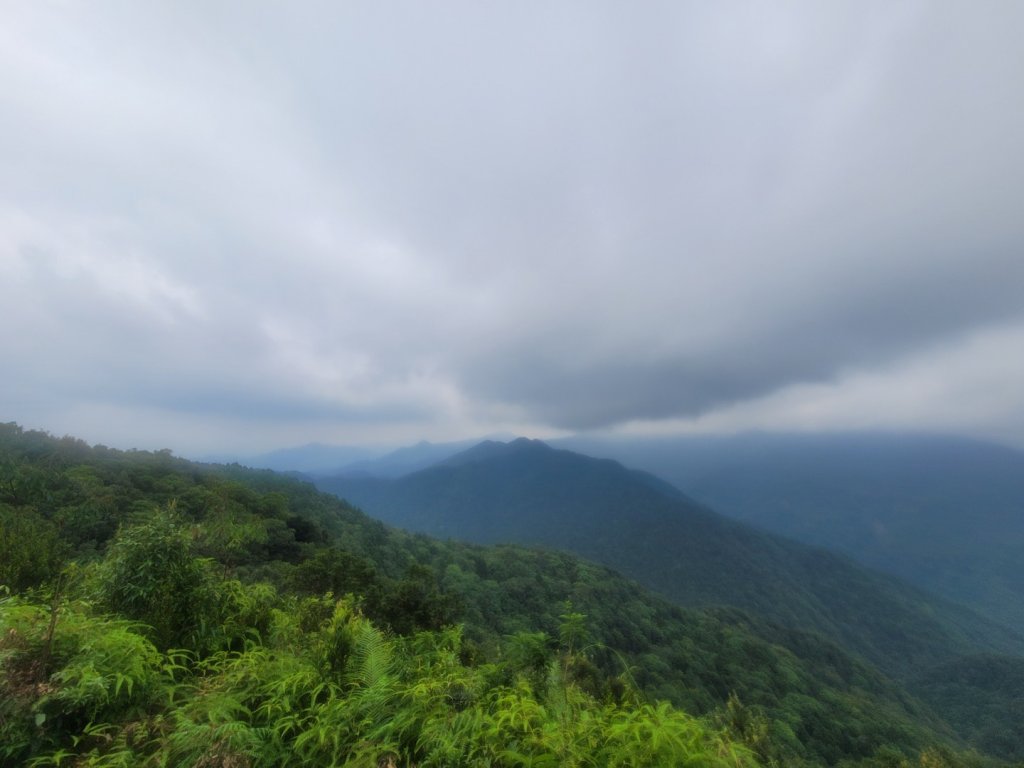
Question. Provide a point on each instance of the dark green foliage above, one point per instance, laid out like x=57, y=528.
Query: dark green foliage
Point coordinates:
x=30, y=547
x=416, y=602
x=335, y=570
x=151, y=575
x=984, y=695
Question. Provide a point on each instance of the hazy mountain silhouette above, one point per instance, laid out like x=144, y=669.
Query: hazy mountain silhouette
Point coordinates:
x=944, y=513
x=527, y=492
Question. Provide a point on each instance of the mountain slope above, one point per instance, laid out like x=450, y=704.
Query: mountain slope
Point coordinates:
x=527, y=492
x=944, y=513
x=404, y=460
x=65, y=500
x=312, y=457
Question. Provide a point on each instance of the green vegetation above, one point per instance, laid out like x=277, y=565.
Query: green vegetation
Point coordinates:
x=323, y=687
x=161, y=612
x=528, y=493
x=944, y=513
x=984, y=694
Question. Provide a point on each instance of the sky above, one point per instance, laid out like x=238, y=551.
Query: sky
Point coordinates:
x=233, y=227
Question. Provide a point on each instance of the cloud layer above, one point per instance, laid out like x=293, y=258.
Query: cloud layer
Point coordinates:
x=224, y=228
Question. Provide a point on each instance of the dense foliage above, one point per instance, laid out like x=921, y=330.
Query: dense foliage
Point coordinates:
x=323, y=686
x=160, y=612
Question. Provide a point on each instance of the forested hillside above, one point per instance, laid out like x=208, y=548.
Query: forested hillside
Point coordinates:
x=163, y=612
x=526, y=492
x=944, y=513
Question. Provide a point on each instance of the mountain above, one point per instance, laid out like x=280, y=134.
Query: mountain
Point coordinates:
x=274, y=553
x=321, y=459
x=403, y=460
x=529, y=493
x=944, y=513
x=310, y=458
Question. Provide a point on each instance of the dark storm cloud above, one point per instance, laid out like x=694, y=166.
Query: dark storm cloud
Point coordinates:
x=382, y=217
x=780, y=337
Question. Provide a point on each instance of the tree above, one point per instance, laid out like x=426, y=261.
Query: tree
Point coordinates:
x=30, y=550
x=150, y=575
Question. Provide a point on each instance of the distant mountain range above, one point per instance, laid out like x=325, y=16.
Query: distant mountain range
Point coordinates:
x=941, y=512
x=310, y=458
x=529, y=493
x=944, y=513
x=322, y=459
x=404, y=460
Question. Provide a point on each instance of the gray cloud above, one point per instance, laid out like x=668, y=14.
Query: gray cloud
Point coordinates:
x=320, y=219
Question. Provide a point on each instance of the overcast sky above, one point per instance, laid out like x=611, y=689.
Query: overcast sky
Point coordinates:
x=240, y=226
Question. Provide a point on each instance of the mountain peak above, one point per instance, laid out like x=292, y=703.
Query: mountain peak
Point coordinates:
x=490, y=449
x=526, y=443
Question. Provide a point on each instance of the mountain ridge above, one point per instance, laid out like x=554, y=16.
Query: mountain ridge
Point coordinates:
x=943, y=512
x=534, y=494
